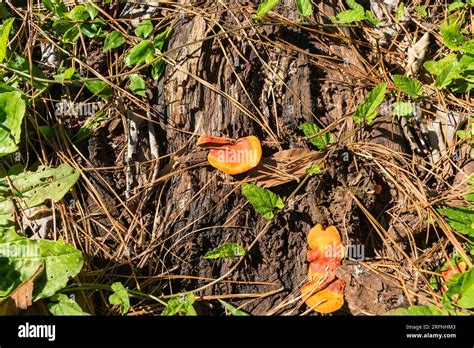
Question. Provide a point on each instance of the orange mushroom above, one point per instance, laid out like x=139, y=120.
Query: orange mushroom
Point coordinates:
x=327, y=300
x=322, y=292
x=232, y=156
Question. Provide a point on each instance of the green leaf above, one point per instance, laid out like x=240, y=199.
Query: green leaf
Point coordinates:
x=66, y=75
x=422, y=11
x=450, y=32
x=418, y=310
x=468, y=47
x=12, y=111
x=233, y=311
x=113, y=40
x=462, y=285
x=304, y=7
x=22, y=256
x=157, y=69
x=436, y=68
x=5, y=29
x=460, y=219
x=63, y=305
x=160, y=39
x=72, y=35
x=99, y=87
x=78, y=13
x=372, y=19
x=180, y=305
x=448, y=75
x=137, y=84
x=264, y=201
x=314, y=170
x=321, y=141
x=356, y=13
x=400, y=11
x=120, y=297
x=368, y=109
x=91, y=10
x=226, y=251
x=265, y=7
x=141, y=53
x=408, y=85
x=62, y=262
x=144, y=29
x=403, y=109
x=92, y=30
x=455, y=6
x=33, y=188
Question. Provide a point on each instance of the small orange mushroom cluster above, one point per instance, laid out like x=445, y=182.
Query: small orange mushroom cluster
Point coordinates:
x=232, y=156
x=323, y=292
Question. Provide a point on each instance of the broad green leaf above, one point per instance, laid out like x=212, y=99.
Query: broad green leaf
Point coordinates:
x=62, y=262
x=78, y=13
x=157, y=69
x=66, y=75
x=233, y=310
x=99, y=87
x=63, y=305
x=12, y=111
x=144, y=29
x=372, y=19
x=113, y=40
x=120, y=297
x=30, y=189
x=264, y=201
x=180, y=305
x=91, y=10
x=462, y=285
x=403, y=109
x=161, y=38
x=348, y=16
x=314, y=169
x=321, y=141
x=436, y=67
x=356, y=13
x=455, y=6
x=461, y=219
x=265, y=7
x=72, y=35
x=422, y=11
x=5, y=29
x=450, y=32
x=141, y=53
x=22, y=256
x=304, y=7
x=450, y=73
x=468, y=46
x=408, y=85
x=62, y=26
x=137, y=84
x=368, y=109
x=15, y=265
x=92, y=30
x=400, y=11
x=226, y=251
x=417, y=310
